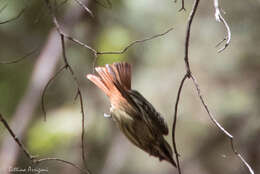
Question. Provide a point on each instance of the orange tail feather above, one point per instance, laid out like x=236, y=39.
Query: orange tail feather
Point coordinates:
x=111, y=78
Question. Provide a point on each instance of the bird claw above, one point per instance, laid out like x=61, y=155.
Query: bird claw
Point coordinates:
x=107, y=115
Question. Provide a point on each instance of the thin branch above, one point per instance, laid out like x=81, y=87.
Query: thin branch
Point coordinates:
x=189, y=75
x=231, y=138
x=21, y=58
x=40, y=16
x=14, y=18
x=207, y=109
x=62, y=161
x=20, y=144
x=33, y=159
x=69, y=68
x=175, y=121
x=136, y=42
x=182, y=5
x=82, y=127
x=45, y=89
x=220, y=42
x=79, y=42
x=187, y=40
x=221, y=19
x=96, y=53
x=84, y=7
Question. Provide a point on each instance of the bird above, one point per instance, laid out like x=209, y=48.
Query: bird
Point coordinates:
x=134, y=115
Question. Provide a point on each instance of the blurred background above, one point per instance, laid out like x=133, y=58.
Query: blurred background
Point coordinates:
x=229, y=81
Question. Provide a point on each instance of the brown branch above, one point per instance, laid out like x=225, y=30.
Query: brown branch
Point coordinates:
x=69, y=68
x=33, y=159
x=227, y=134
x=96, y=53
x=21, y=58
x=45, y=89
x=82, y=127
x=57, y=7
x=175, y=121
x=46, y=63
x=136, y=42
x=220, y=18
x=62, y=161
x=187, y=39
x=79, y=43
x=182, y=5
x=14, y=18
x=84, y=7
x=20, y=144
x=189, y=75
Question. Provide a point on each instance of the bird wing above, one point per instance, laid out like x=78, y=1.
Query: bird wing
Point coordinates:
x=152, y=118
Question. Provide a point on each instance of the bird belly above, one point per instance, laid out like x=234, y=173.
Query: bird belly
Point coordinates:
x=135, y=130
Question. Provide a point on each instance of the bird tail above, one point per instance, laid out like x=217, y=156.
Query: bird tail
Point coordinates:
x=112, y=79
x=166, y=152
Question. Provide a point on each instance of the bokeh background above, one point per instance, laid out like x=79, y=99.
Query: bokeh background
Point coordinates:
x=229, y=81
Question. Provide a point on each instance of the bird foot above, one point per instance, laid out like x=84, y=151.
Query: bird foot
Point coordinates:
x=107, y=115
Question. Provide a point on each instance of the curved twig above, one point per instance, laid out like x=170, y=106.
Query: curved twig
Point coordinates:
x=175, y=121
x=135, y=42
x=69, y=68
x=37, y=161
x=221, y=19
x=231, y=138
x=21, y=58
x=45, y=89
x=187, y=39
x=189, y=75
x=14, y=18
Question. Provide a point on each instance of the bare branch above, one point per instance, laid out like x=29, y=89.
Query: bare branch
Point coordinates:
x=14, y=18
x=79, y=42
x=136, y=42
x=82, y=128
x=56, y=8
x=96, y=53
x=45, y=89
x=62, y=161
x=174, y=123
x=207, y=109
x=84, y=7
x=221, y=19
x=231, y=138
x=182, y=5
x=20, y=144
x=33, y=159
x=189, y=75
x=69, y=68
x=187, y=39
x=21, y=58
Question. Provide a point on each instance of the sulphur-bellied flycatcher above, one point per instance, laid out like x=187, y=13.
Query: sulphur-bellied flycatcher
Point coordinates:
x=134, y=115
